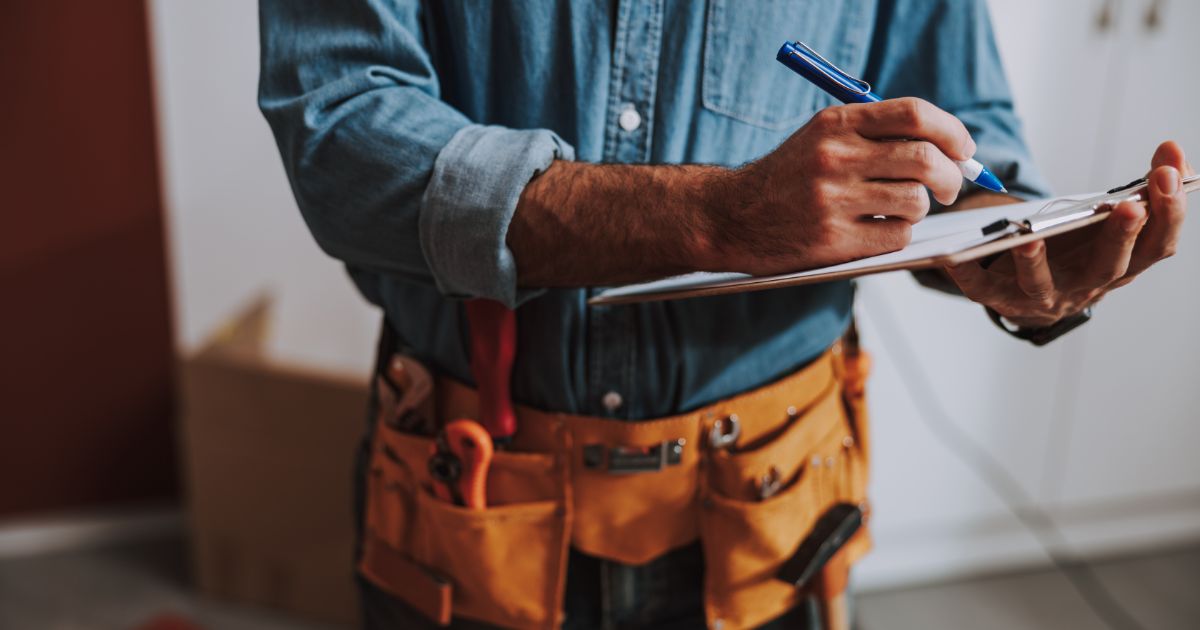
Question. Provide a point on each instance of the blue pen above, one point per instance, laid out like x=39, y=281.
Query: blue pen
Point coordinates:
x=847, y=89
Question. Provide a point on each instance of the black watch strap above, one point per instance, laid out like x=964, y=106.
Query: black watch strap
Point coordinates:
x=1041, y=336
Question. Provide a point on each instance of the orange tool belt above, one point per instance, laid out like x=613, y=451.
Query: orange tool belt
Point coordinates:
x=623, y=491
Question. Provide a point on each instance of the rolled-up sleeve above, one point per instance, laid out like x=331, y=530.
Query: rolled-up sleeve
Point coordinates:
x=388, y=176
x=945, y=52
x=469, y=202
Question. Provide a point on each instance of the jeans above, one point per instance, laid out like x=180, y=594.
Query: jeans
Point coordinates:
x=664, y=594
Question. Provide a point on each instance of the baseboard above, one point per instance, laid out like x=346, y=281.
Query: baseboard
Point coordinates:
x=947, y=550
x=68, y=532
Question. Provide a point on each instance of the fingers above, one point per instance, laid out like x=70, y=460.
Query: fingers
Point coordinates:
x=913, y=118
x=1033, y=273
x=998, y=292
x=906, y=201
x=917, y=161
x=1114, y=245
x=1171, y=154
x=1167, y=208
x=880, y=236
x=974, y=281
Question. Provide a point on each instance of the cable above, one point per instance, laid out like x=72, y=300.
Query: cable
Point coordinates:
x=989, y=470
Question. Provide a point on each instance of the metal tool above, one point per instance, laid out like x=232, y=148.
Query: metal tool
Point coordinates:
x=459, y=464
x=617, y=460
x=827, y=537
x=722, y=437
x=769, y=485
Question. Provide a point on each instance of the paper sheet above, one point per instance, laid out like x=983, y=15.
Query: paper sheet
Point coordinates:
x=936, y=235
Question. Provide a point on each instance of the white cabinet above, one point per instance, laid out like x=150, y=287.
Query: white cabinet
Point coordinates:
x=1136, y=419
x=1101, y=426
x=1057, y=57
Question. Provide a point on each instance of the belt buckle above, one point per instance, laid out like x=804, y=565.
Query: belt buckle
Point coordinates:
x=622, y=460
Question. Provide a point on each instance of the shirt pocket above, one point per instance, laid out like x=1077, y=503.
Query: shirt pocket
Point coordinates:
x=741, y=78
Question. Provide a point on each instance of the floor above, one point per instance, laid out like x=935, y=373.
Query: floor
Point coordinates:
x=1161, y=591
x=123, y=587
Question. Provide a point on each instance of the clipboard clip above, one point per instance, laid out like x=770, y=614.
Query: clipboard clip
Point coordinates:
x=1043, y=221
x=1080, y=209
x=1004, y=225
x=1130, y=186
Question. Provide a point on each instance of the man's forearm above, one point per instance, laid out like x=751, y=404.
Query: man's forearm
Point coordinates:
x=811, y=202
x=582, y=224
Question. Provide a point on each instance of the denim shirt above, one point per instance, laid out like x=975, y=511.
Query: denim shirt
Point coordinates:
x=409, y=129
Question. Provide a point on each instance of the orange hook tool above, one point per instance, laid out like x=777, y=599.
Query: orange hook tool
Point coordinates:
x=464, y=448
x=459, y=464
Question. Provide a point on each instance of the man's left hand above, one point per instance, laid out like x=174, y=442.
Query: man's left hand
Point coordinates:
x=1041, y=282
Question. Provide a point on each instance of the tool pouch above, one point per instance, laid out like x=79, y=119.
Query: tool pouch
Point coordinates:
x=817, y=457
x=623, y=491
x=504, y=565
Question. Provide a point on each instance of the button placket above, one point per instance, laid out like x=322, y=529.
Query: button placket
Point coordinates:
x=632, y=86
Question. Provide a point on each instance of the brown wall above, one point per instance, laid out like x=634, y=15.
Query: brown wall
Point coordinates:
x=85, y=339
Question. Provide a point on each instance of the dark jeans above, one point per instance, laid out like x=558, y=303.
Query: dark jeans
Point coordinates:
x=665, y=594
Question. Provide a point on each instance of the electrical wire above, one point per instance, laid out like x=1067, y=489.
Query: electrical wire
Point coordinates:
x=993, y=474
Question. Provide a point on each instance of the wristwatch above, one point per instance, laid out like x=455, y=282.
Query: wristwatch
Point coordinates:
x=1041, y=336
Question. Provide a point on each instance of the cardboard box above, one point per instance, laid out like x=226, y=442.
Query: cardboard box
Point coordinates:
x=268, y=455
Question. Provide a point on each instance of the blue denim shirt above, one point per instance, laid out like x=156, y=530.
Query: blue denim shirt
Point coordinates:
x=409, y=129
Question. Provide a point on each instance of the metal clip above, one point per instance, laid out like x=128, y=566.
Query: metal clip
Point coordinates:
x=769, y=484
x=620, y=460
x=720, y=438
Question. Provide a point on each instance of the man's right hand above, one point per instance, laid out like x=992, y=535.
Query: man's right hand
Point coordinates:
x=809, y=203
x=814, y=200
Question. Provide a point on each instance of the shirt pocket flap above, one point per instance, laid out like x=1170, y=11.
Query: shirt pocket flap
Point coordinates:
x=741, y=78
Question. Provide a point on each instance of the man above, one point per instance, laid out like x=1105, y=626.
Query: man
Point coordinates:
x=518, y=151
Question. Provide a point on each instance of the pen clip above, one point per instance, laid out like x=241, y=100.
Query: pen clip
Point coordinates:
x=813, y=60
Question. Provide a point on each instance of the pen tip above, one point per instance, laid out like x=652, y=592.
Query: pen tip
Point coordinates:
x=1003, y=190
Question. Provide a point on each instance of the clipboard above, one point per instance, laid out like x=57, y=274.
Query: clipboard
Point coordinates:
x=938, y=240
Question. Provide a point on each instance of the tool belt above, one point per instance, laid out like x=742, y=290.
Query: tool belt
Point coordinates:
x=748, y=477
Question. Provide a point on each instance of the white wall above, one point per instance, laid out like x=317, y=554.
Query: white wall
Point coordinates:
x=1109, y=449
x=1098, y=427
x=234, y=230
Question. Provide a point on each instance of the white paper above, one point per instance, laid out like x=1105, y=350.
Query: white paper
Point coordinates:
x=936, y=235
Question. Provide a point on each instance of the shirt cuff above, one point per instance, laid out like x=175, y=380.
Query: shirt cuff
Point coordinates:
x=467, y=207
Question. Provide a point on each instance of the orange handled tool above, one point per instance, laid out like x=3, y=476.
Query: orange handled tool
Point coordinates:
x=493, y=348
x=464, y=448
x=459, y=464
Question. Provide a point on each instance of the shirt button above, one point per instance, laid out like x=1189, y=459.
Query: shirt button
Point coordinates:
x=629, y=119
x=612, y=401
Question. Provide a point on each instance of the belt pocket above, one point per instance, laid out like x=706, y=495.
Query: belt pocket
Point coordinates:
x=502, y=565
x=747, y=541
x=507, y=563
x=391, y=480
x=778, y=457
x=390, y=513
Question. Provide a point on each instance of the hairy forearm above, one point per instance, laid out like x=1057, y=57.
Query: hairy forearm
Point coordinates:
x=804, y=205
x=582, y=224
